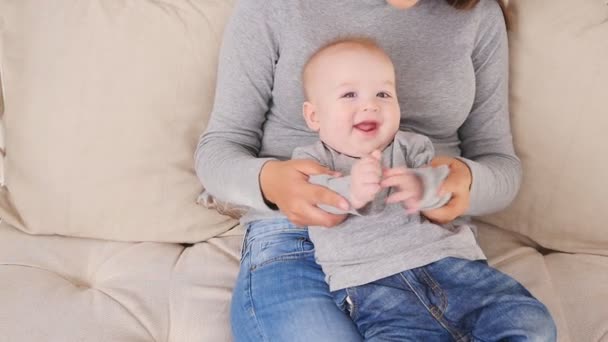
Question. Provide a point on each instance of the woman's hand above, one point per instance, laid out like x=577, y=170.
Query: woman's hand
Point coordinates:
x=285, y=183
x=458, y=183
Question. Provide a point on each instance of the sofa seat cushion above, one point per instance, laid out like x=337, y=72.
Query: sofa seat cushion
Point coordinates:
x=202, y=287
x=581, y=282
x=72, y=289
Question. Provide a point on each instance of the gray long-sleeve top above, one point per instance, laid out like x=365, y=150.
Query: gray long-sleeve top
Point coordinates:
x=451, y=68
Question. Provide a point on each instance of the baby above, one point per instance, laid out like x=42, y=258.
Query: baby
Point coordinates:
x=392, y=270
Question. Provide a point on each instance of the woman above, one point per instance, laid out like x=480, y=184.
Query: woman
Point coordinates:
x=451, y=63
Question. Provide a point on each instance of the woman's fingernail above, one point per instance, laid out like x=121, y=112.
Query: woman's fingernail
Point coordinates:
x=344, y=206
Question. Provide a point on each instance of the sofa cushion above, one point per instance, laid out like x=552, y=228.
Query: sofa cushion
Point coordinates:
x=1, y=127
x=580, y=281
x=57, y=288
x=70, y=289
x=202, y=287
x=104, y=102
x=558, y=105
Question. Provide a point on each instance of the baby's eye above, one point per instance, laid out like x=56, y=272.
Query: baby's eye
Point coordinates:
x=383, y=95
x=350, y=94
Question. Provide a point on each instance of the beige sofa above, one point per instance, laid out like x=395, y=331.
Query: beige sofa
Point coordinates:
x=102, y=104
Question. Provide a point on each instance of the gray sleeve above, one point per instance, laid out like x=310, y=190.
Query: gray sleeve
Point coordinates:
x=418, y=151
x=226, y=159
x=341, y=185
x=486, y=141
x=312, y=152
x=432, y=178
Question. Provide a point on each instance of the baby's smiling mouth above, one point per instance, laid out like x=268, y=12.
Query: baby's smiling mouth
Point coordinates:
x=367, y=126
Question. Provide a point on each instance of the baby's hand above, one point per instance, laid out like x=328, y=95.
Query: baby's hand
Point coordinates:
x=366, y=175
x=408, y=185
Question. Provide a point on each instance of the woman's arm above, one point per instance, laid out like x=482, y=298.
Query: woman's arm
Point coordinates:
x=486, y=140
x=487, y=176
x=226, y=157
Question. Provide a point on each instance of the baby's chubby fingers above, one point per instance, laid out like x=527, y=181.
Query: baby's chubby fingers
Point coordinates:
x=401, y=196
x=396, y=171
x=373, y=160
x=371, y=174
x=412, y=205
x=377, y=155
x=370, y=178
x=394, y=179
x=371, y=188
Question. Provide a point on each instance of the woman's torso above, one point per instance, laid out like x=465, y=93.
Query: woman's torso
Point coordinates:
x=431, y=45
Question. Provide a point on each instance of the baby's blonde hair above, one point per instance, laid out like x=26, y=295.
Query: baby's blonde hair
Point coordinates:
x=357, y=42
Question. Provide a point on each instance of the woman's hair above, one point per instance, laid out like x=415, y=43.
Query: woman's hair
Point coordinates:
x=468, y=4
x=463, y=4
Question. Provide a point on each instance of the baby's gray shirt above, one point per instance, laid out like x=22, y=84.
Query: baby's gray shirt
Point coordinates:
x=381, y=239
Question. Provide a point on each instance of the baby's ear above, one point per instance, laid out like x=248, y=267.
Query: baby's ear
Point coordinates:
x=310, y=115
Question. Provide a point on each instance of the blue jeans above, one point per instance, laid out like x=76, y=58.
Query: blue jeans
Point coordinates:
x=281, y=294
x=449, y=300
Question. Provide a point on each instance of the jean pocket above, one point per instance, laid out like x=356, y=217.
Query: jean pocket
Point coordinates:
x=283, y=246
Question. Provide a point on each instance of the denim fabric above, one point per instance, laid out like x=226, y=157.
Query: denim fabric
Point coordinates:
x=448, y=300
x=281, y=293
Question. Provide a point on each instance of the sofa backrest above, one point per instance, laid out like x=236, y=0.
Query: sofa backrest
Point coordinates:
x=1, y=127
x=104, y=101
x=559, y=115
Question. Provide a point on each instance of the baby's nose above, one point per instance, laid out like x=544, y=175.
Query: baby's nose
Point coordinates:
x=371, y=107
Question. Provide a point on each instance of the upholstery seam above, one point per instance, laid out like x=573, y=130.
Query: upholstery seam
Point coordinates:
x=92, y=288
x=171, y=291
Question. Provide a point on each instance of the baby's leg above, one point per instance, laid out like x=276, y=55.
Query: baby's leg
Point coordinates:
x=386, y=310
x=488, y=305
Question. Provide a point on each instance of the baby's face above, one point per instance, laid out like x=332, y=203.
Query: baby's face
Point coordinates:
x=352, y=92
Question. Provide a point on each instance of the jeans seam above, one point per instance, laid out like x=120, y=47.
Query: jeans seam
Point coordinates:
x=443, y=305
x=272, y=242
x=443, y=300
x=453, y=332
x=282, y=258
x=249, y=291
x=244, y=243
x=259, y=235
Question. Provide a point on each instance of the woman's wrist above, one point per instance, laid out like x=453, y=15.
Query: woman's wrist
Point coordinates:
x=469, y=172
x=266, y=177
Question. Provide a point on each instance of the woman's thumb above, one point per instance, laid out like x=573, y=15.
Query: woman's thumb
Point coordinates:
x=310, y=167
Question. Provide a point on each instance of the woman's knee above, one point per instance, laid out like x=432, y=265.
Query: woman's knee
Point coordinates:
x=286, y=300
x=302, y=309
x=530, y=321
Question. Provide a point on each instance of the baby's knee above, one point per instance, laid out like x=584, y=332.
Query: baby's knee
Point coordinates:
x=539, y=323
